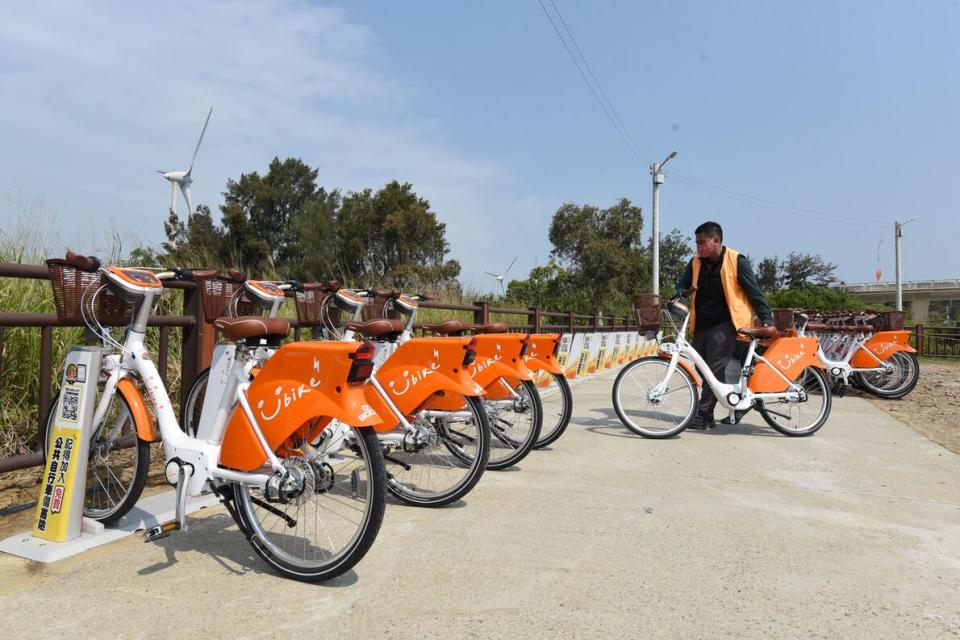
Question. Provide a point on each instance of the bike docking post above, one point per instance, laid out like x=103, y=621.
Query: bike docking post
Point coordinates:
x=59, y=515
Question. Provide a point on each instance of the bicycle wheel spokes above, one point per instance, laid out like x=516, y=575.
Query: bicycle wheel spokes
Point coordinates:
x=113, y=464
x=803, y=417
x=443, y=461
x=515, y=423
x=557, y=404
x=651, y=405
x=325, y=529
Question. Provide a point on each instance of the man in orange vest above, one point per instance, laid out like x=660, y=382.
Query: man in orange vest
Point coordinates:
x=725, y=297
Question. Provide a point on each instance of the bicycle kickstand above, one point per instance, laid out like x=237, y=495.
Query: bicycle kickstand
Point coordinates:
x=184, y=473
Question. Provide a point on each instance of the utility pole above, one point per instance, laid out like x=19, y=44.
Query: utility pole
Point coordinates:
x=656, y=170
x=897, y=234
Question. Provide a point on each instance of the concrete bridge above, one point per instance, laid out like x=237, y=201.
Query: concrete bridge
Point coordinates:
x=917, y=294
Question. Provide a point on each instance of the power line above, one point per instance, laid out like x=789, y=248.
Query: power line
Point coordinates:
x=633, y=143
x=691, y=183
x=776, y=205
x=623, y=135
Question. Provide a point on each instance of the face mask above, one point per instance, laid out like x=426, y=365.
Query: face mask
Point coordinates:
x=703, y=250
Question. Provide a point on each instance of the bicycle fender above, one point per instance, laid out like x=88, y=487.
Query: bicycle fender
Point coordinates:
x=539, y=356
x=691, y=371
x=302, y=382
x=146, y=427
x=498, y=356
x=790, y=356
x=420, y=373
x=883, y=345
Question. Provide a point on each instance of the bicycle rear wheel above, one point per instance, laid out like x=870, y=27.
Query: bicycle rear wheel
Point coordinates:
x=445, y=461
x=327, y=528
x=557, y=402
x=801, y=418
x=515, y=424
x=896, y=384
x=117, y=463
x=648, y=412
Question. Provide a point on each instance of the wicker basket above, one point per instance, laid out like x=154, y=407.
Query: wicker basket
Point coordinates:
x=889, y=320
x=646, y=308
x=72, y=289
x=783, y=319
x=310, y=303
x=373, y=310
x=217, y=292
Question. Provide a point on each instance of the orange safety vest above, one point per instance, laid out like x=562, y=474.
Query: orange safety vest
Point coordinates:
x=739, y=305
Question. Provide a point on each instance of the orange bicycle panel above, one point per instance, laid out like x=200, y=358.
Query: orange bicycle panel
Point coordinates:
x=790, y=356
x=421, y=371
x=301, y=382
x=883, y=345
x=146, y=427
x=686, y=366
x=539, y=356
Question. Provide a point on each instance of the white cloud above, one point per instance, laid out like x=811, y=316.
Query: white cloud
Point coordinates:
x=99, y=95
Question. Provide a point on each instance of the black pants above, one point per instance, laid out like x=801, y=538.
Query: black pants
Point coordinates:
x=715, y=345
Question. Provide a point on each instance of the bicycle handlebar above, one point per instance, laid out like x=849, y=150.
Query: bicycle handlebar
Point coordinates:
x=84, y=263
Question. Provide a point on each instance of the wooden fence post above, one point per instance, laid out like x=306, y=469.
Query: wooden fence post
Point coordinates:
x=482, y=315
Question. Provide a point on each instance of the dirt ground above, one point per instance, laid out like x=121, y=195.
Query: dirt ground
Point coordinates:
x=932, y=409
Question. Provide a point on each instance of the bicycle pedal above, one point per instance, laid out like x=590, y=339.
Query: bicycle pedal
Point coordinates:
x=160, y=531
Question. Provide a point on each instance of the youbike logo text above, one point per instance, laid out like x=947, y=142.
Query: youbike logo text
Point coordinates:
x=286, y=398
x=788, y=361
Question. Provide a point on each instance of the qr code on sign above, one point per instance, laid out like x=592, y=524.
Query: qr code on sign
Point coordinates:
x=69, y=404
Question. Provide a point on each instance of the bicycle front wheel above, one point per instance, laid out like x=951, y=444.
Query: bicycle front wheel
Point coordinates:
x=803, y=417
x=117, y=463
x=329, y=526
x=557, y=402
x=648, y=403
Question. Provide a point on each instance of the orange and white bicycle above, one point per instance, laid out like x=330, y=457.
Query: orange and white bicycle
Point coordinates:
x=656, y=396
x=310, y=507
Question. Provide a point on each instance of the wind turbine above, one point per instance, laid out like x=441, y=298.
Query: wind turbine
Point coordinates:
x=183, y=178
x=502, y=275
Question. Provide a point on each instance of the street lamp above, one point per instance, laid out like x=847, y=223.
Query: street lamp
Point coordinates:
x=897, y=234
x=656, y=170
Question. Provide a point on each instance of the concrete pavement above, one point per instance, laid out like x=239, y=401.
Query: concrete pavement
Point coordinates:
x=738, y=532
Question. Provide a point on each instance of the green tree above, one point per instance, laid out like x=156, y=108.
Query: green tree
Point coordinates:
x=800, y=269
x=258, y=213
x=197, y=242
x=768, y=274
x=816, y=298
x=391, y=237
x=675, y=253
x=550, y=287
x=602, y=248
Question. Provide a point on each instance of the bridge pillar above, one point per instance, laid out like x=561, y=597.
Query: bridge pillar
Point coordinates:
x=919, y=308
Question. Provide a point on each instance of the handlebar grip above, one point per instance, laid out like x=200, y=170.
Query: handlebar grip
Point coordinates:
x=236, y=275
x=388, y=293
x=84, y=263
x=295, y=285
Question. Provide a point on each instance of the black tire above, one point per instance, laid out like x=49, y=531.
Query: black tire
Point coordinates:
x=560, y=418
x=116, y=468
x=817, y=385
x=193, y=404
x=899, y=384
x=459, y=454
x=511, y=444
x=639, y=416
x=285, y=547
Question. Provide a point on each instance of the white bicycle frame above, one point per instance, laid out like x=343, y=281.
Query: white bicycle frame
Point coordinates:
x=736, y=396
x=847, y=348
x=197, y=459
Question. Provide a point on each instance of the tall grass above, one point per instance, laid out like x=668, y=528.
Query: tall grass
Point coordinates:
x=26, y=239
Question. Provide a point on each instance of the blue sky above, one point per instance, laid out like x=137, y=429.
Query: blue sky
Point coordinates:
x=848, y=111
